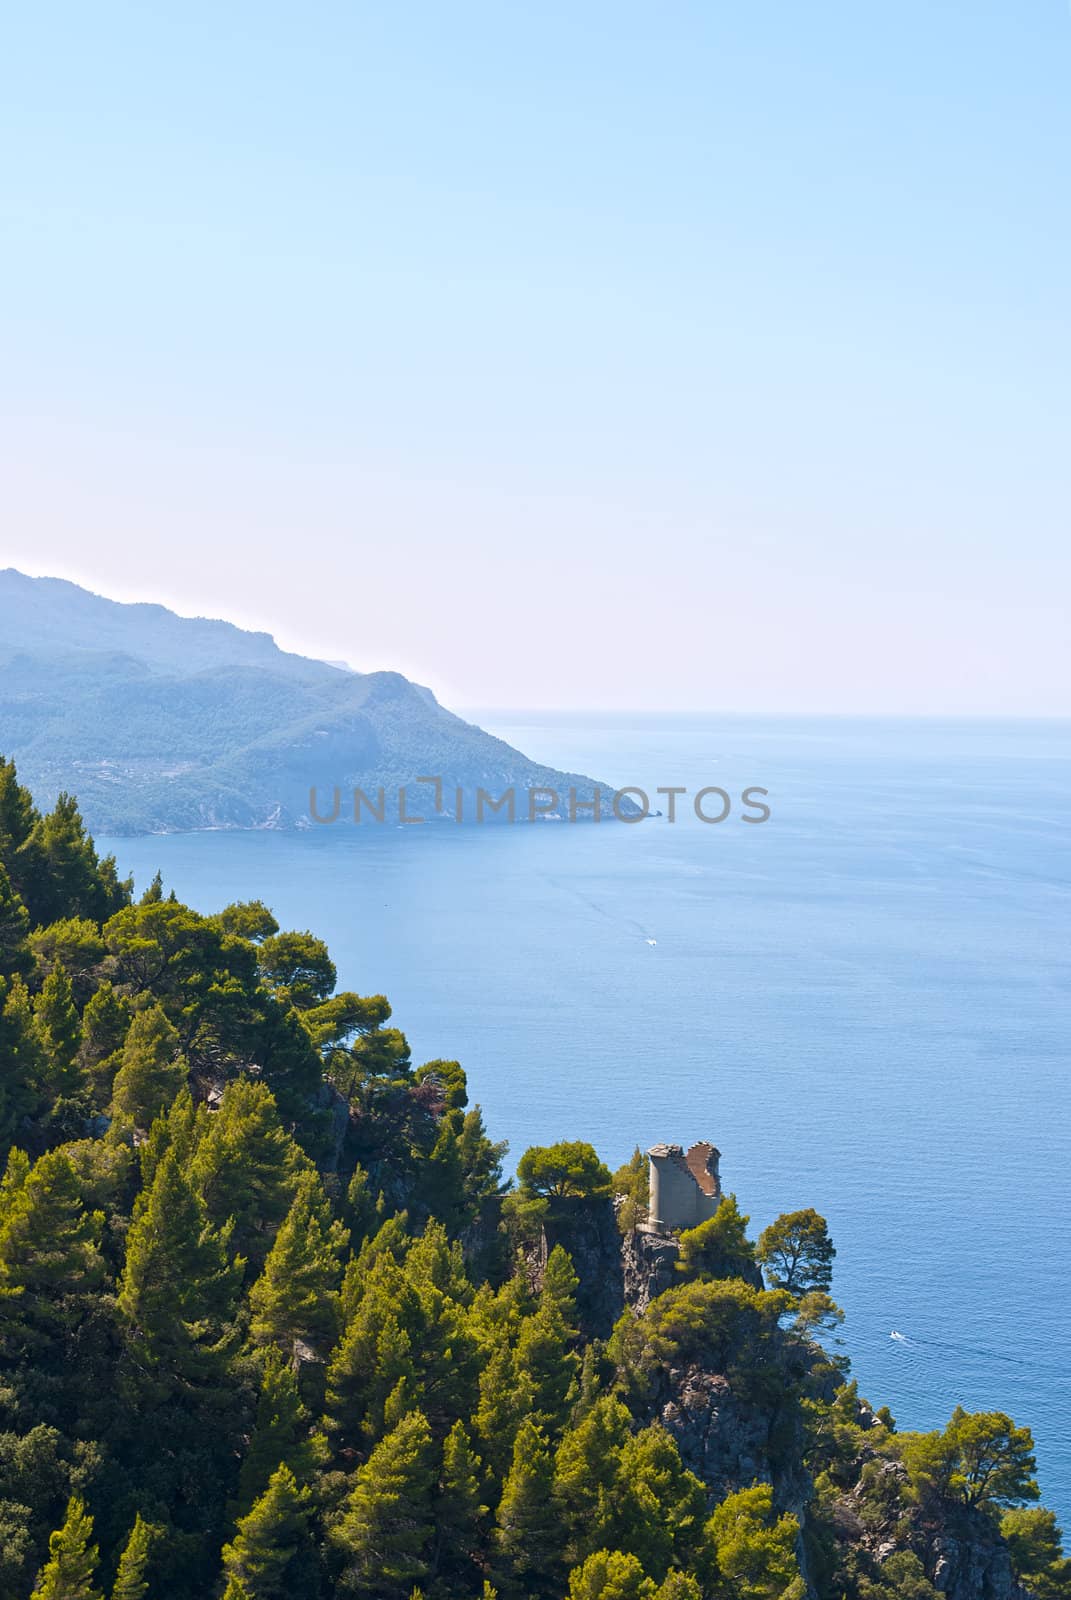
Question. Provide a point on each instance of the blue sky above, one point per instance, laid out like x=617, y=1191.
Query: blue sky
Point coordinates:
x=693, y=355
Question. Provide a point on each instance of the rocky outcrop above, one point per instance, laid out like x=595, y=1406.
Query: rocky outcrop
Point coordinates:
x=648, y=1265
x=960, y=1548
x=723, y=1440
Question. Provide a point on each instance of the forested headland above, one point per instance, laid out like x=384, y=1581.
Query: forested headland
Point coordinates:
x=273, y=1322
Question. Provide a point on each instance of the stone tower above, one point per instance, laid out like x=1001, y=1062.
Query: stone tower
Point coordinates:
x=684, y=1186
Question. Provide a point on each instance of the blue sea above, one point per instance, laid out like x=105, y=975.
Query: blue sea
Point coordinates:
x=865, y=1002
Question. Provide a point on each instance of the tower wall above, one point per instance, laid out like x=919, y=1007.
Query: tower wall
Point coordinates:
x=675, y=1198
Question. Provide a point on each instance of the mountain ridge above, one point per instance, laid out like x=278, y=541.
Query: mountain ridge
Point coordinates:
x=164, y=723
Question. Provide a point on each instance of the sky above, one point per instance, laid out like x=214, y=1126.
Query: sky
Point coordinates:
x=678, y=356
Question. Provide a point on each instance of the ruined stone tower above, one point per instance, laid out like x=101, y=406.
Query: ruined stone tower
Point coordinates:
x=684, y=1187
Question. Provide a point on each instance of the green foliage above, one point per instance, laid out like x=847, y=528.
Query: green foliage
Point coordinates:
x=527, y=1546
x=59, y=1032
x=72, y=1559
x=296, y=1296
x=75, y=944
x=563, y=1171
x=131, y=1582
x=903, y=1577
x=50, y=1260
x=448, y=1079
x=385, y=1531
x=105, y=1022
x=632, y=1183
x=406, y=1342
x=610, y=1575
x=797, y=1253
x=15, y=956
x=1036, y=1547
x=55, y=867
x=460, y=1513
x=505, y=1399
x=816, y=1312
x=981, y=1458
x=730, y=1326
x=179, y=1287
x=272, y=1540
x=151, y=1069
x=756, y=1551
x=297, y=968
x=719, y=1247
x=22, y=1079
x=248, y=1167
x=281, y=1433
x=247, y=919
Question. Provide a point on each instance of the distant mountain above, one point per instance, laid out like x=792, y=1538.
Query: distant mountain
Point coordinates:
x=161, y=723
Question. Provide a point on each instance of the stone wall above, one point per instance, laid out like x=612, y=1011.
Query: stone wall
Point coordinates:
x=684, y=1189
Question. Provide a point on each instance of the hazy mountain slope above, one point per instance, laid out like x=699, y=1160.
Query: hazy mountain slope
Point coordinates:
x=42, y=615
x=161, y=722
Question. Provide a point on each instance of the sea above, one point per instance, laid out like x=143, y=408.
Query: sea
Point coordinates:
x=864, y=1001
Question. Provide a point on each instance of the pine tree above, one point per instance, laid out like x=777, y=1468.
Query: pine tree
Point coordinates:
x=434, y=1261
x=155, y=892
x=719, y=1247
x=360, y=1207
x=558, y=1293
x=756, y=1550
x=585, y=1471
x=272, y=1540
x=374, y=1356
x=151, y=1070
x=105, y=1021
x=23, y=1062
x=296, y=1296
x=506, y=1397
x=17, y=812
x=527, y=1535
x=67, y=879
x=678, y=1585
x=179, y=1285
x=386, y=1528
x=442, y=1176
x=546, y=1359
x=459, y=1510
x=49, y=1251
x=15, y=957
x=610, y=1575
x=656, y=1505
x=180, y=1131
x=130, y=1580
x=17, y=1170
x=280, y=1434
x=58, y=1031
x=72, y=1560
x=248, y=1167
x=444, y=1349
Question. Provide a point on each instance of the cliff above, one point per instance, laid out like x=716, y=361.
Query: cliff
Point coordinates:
x=739, y=1416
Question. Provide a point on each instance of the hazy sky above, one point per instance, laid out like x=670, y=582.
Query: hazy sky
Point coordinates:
x=598, y=354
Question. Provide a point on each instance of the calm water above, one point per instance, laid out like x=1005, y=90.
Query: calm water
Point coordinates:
x=865, y=1003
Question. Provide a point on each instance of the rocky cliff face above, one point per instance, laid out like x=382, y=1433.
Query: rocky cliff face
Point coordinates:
x=587, y=1230
x=648, y=1263
x=730, y=1442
